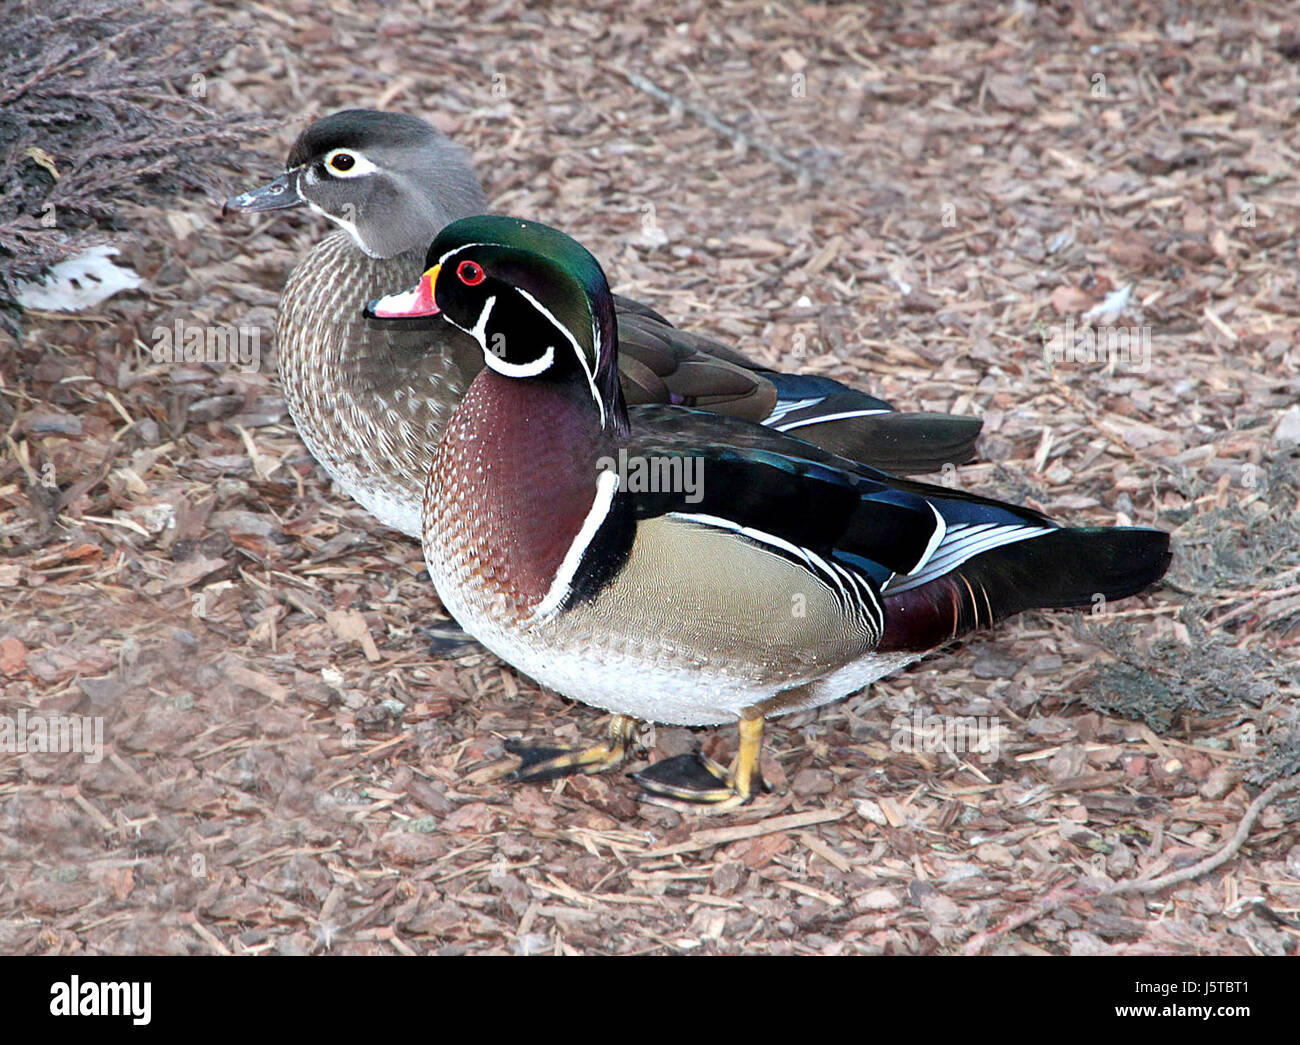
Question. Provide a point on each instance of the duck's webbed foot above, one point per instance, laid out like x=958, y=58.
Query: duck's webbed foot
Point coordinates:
x=448, y=640
x=698, y=779
x=534, y=762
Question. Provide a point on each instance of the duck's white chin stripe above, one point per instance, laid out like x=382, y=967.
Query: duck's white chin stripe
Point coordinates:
x=350, y=227
x=530, y=369
x=537, y=366
x=606, y=487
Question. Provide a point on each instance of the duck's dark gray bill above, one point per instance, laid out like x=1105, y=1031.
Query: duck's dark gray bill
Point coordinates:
x=277, y=195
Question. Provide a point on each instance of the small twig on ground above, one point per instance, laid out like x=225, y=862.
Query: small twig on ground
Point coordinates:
x=1186, y=874
x=742, y=140
x=1142, y=886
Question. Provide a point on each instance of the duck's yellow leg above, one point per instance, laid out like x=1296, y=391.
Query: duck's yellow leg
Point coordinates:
x=535, y=762
x=697, y=778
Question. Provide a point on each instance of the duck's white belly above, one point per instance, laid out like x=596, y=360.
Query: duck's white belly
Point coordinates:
x=611, y=660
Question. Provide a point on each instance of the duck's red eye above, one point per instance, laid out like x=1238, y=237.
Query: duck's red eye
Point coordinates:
x=470, y=273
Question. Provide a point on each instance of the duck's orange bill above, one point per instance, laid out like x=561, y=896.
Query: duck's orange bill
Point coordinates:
x=408, y=304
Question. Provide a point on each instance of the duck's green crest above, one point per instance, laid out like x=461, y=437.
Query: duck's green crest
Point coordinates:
x=551, y=245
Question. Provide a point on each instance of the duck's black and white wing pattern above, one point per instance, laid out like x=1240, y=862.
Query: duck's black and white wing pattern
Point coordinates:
x=909, y=565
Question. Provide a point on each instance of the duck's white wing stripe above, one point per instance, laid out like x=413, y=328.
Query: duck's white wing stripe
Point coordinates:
x=843, y=416
x=781, y=409
x=936, y=540
x=961, y=542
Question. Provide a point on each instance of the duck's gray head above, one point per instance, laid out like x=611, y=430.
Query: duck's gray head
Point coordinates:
x=391, y=180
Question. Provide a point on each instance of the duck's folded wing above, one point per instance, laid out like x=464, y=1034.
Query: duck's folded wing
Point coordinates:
x=917, y=564
x=659, y=363
x=642, y=317
x=849, y=533
x=811, y=505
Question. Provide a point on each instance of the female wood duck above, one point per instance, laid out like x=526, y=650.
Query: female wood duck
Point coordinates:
x=782, y=579
x=370, y=403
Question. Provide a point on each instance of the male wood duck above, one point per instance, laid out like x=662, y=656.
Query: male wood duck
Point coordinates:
x=777, y=579
x=370, y=403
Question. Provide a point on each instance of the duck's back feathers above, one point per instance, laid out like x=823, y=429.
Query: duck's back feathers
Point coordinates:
x=663, y=364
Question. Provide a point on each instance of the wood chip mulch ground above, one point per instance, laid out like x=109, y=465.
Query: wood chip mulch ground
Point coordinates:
x=914, y=198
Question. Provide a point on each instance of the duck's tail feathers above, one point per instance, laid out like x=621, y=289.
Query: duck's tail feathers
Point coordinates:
x=1057, y=569
x=861, y=427
x=898, y=443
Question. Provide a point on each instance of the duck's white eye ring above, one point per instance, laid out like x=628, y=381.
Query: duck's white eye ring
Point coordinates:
x=348, y=163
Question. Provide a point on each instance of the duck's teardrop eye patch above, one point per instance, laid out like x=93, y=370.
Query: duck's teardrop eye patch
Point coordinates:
x=470, y=273
x=343, y=162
